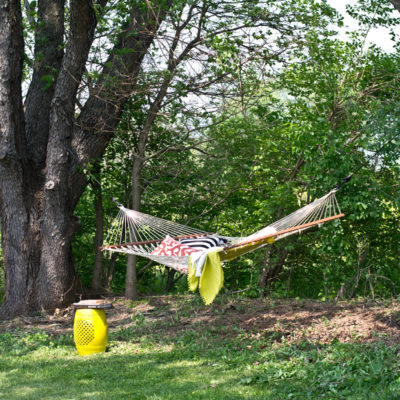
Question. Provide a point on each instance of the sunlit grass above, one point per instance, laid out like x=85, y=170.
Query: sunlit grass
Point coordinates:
x=144, y=361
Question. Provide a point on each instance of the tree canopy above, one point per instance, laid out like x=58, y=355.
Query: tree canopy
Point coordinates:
x=222, y=115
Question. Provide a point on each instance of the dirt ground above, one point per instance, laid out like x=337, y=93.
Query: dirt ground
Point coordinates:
x=293, y=320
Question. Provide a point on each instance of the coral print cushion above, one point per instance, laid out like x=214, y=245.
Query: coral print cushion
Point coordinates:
x=171, y=247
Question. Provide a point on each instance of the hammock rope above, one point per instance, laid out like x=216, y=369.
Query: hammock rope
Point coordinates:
x=134, y=232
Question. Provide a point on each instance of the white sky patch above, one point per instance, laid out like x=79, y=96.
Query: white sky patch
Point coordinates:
x=379, y=36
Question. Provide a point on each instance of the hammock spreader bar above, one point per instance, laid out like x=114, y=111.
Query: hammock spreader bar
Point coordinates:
x=231, y=252
x=276, y=234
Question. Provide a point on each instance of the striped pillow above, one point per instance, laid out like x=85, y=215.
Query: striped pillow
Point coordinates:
x=203, y=243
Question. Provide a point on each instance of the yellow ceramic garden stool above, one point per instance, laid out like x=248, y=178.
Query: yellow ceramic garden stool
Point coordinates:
x=90, y=326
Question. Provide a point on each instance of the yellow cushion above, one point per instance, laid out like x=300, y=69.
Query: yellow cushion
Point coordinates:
x=212, y=278
x=193, y=280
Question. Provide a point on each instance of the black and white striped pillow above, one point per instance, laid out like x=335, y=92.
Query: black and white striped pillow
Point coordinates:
x=203, y=243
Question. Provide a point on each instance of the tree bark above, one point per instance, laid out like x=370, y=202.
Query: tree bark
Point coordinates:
x=17, y=226
x=131, y=291
x=111, y=270
x=262, y=280
x=96, y=284
x=39, y=150
x=169, y=284
x=396, y=4
x=57, y=272
x=270, y=273
x=48, y=55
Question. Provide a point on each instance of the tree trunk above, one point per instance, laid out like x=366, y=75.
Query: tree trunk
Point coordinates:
x=19, y=221
x=262, y=280
x=271, y=272
x=40, y=149
x=111, y=270
x=131, y=291
x=170, y=280
x=96, y=284
x=396, y=4
x=57, y=272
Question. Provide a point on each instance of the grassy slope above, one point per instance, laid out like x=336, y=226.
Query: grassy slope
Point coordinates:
x=179, y=350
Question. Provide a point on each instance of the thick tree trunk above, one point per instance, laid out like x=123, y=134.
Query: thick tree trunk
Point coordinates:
x=18, y=222
x=36, y=213
x=39, y=183
x=57, y=272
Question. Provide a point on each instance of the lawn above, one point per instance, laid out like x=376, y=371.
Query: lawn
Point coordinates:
x=176, y=348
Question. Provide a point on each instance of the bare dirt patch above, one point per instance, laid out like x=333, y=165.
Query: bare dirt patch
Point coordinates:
x=288, y=320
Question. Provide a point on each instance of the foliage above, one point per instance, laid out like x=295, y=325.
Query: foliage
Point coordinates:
x=297, y=142
x=267, y=111
x=323, y=118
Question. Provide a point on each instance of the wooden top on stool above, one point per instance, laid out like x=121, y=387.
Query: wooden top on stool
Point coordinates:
x=92, y=304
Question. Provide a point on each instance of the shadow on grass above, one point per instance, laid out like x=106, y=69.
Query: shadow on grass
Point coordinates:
x=206, y=369
x=158, y=375
x=178, y=351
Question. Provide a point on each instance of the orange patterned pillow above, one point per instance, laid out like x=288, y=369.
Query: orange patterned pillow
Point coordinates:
x=171, y=247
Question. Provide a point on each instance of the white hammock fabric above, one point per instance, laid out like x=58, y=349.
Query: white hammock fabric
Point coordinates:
x=137, y=233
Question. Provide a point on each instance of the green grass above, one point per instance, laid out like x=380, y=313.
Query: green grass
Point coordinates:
x=202, y=362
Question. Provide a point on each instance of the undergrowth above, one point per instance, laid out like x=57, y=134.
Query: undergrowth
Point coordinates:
x=148, y=360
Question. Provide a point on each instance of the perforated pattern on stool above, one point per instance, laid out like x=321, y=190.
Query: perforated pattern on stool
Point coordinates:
x=84, y=332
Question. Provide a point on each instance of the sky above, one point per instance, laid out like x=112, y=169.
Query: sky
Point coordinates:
x=378, y=36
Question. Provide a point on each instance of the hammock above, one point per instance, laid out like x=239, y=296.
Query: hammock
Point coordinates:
x=134, y=232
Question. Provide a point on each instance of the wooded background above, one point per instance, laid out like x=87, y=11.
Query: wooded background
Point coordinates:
x=221, y=115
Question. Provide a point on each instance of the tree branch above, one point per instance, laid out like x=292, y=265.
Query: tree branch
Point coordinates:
x=48, y=55
x=396, y=4
x=100, y=115
x=12, y=143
